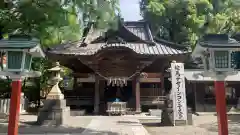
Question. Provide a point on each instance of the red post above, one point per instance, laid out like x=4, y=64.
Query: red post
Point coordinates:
x=14, y=108
x=221, y=108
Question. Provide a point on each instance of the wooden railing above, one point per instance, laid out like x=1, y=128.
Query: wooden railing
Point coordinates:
x=152, y=100
x=151, y=91
x=79, y=100
x=79, y=92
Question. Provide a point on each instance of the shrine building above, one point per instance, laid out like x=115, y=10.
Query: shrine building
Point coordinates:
x=128, y=64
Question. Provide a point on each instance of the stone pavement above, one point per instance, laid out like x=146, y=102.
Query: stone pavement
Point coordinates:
x=115, y=125
x=123, y=125
x=75, y=125
x=203, y=125
x=81, y=125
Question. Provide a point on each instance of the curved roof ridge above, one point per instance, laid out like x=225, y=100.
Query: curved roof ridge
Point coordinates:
x=171, y=44
x=147, y=32
x=125, y=28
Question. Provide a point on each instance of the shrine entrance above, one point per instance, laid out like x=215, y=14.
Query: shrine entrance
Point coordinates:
x=114, y=93
x=117, y=93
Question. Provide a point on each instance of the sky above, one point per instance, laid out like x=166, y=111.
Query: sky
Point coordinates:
x=130, y=10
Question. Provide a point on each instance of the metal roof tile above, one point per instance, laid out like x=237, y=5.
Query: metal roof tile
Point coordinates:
x=139, y=29
x=140, y=48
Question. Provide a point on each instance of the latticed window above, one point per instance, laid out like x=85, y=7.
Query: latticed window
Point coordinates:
x=14, y=59
x=221, y=59
x=235, y=60
x=28, y=60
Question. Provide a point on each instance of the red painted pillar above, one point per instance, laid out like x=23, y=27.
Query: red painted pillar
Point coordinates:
x=221, y=108
x=14, y=108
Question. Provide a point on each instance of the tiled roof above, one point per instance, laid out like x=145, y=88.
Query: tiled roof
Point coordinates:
x=236, y=36
x=139, y=48
x=139, y=29
x=218, y=41
x=138, y=38
x=5, y=43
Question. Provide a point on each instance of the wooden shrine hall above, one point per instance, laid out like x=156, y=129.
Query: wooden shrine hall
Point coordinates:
x=127, y=64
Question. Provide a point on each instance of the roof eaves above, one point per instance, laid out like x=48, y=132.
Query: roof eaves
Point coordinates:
x=132, y=34
x=63, y=46
x=134, y=22
x=149, y=32
x=236, y=36
x=172, y=44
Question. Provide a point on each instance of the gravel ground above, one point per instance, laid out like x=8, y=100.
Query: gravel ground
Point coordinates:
x=75, y=124
x=203, y=125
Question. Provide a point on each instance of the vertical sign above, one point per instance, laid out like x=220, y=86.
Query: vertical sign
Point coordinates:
x=178, y=91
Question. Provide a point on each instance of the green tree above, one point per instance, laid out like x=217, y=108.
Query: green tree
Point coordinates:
x=184, y=21
x=53, y=22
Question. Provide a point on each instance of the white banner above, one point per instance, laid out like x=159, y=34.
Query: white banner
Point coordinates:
x=178, y=91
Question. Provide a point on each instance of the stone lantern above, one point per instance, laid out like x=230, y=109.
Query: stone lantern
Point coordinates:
x=55, y=92
x=216, y=51
x=54, y=111
x=19, y=50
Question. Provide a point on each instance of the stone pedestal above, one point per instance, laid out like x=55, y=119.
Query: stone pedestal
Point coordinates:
x=167, y=115
x=53, y=113
x=238, y=104
x=167, y=112
x=167, y=118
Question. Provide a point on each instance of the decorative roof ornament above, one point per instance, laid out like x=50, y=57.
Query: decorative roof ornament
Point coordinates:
x=55, y=92
x=144, y=75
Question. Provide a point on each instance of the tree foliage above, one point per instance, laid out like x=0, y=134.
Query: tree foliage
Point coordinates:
x=53, y=22
x=184, y=21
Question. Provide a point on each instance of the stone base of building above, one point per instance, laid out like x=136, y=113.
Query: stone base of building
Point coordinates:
x=138, y=112
x=155, y=112
x=54, y=113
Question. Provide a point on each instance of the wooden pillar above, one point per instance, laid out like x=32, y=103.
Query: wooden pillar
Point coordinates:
x=75, y=83
x=162, y=83
x=96, y=96
x=162, y=79
x=137, y=90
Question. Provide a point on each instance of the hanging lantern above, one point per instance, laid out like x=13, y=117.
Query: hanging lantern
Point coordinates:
x=215, y=51
x=19, y=51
